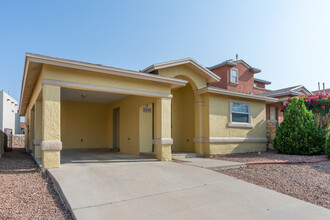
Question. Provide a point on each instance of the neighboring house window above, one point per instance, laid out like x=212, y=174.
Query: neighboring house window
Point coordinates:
x=240, y=114
x=233, y=75
x=255, y=84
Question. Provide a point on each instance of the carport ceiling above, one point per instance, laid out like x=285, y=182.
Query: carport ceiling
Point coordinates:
x=89, y=96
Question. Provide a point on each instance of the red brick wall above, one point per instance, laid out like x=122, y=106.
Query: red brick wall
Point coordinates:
x=261, y=85
x=257, y=90
x=223, y=73
x=245, y=79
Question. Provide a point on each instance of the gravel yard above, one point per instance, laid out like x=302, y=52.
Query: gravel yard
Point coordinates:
x=305, y=181
x=25, y=191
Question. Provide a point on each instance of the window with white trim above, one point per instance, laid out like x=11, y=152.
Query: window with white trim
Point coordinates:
x=233, y=75
x=240, y=112
x=255, y=84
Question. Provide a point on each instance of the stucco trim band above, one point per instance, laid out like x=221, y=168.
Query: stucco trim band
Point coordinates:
x=200, y=140
x=229, y=140
x=162, y=141
x=104, y=88
x=36, y=142
x=51, y=145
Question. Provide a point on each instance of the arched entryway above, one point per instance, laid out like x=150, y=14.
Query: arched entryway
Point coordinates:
x=183, y=119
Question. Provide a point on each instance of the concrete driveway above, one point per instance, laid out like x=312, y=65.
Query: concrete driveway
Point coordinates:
x=166, y=190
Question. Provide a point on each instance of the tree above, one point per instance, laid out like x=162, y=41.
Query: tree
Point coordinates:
x=298, y=132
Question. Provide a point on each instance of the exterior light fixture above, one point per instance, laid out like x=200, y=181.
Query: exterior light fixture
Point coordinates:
x=83, y=97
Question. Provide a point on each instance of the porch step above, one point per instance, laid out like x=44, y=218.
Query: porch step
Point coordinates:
x=185, y=155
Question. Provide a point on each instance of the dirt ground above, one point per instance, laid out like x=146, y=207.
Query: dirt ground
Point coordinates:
x=305, y=181
x=25, y=191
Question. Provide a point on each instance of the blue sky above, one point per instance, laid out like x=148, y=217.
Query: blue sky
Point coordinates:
x=287, y=40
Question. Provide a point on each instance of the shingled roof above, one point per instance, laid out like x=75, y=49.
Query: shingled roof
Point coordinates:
x=294, y=90
x=234, y=63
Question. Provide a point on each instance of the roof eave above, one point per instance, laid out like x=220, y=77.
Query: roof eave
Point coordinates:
x=26, y=65
x=254, y=70
x=215, y=90
x=262, y=81
x=283, y=94
x=211, y=77
x=225, y=63
x=304, y=89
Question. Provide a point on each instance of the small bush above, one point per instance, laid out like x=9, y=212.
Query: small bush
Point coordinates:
x=298, y=133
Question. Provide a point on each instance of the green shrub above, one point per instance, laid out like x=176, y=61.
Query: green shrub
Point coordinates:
x=298, y=133
x=320, y=106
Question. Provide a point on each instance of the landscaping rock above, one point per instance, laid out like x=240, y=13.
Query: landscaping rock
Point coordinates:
x=305, y=181
x=25, y=191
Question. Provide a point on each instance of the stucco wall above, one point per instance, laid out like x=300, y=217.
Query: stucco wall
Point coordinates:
x=196, y=79
x=129, y=108
x=1, y=110
x=183, y=119
x=83, y=125
x=89, y=78
x=101, y=79
x=217, y=121
x=8, y=112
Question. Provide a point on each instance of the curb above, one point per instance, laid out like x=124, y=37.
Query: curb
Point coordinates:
x=59, y=191
x=285, y=161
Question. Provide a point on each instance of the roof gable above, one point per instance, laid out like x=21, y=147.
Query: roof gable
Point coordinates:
x=210, y=76
x=294, y=90
x=233, y=63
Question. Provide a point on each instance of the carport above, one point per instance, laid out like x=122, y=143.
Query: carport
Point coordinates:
x=77, y=107
x=91, y=124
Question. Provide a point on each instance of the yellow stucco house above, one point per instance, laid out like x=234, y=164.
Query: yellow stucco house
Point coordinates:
x=165, y=108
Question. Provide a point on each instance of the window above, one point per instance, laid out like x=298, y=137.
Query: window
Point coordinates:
x=240, y=113
x=233, y=76
x=255, y=84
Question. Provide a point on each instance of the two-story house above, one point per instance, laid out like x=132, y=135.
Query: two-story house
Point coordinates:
x=237, y=75
x=176, y=106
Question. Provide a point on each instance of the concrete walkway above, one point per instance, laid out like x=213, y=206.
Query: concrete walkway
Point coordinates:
x=166, y=190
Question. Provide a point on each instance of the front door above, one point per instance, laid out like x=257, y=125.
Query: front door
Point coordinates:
x=116, y=135
x=272, y=113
